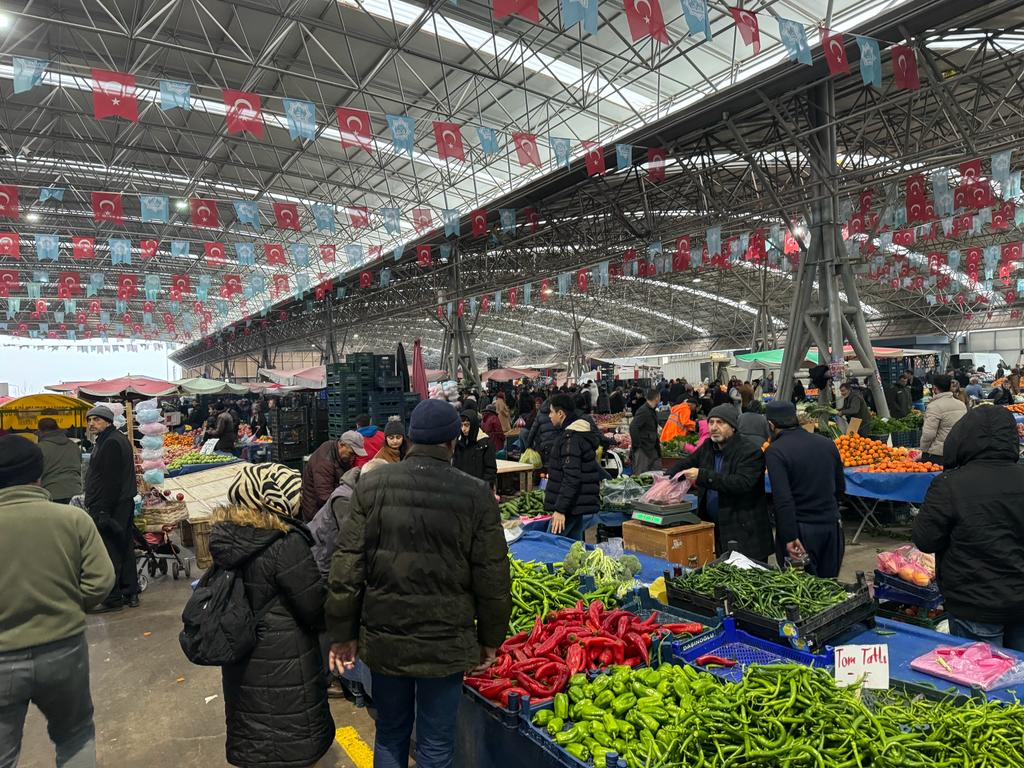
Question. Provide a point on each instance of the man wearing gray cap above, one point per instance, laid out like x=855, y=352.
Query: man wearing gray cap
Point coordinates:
x=110, y=490
x=325, y=468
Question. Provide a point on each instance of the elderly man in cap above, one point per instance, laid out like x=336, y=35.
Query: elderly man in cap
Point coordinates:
x=420, y=589
x=728, y=473
x=325, y=468
x=806, y=475
x=110, y=489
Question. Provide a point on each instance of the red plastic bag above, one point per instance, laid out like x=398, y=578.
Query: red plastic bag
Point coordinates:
x=908, y=563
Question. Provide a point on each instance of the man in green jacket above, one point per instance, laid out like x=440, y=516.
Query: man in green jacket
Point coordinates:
x=55, y=567
x=62, y=462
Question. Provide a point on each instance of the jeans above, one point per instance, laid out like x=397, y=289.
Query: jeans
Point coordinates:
x=432, y=703
x=1005, y=635
x=54, y=677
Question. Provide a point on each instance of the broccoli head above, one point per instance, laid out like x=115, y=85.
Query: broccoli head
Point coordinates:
x=575, y=558
x=631, y=564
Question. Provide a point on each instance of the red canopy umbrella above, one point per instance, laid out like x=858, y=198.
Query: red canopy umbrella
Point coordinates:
x=419, y=373
x=128, y=385
x=508, y=374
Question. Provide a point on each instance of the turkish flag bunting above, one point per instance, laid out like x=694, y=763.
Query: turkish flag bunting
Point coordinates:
x=527, y=9
x=756, y=250
x=973, y=256
x=485, y=304
x=127, y=287
x=866, y=198
x=327, y=253
x=10, y=280
x=513, y=296
x=750, y=31
x=10, y=245
x=69, y=285
x=323, y=288
x=656, y=157
x=83, y=247
x=440, y=311
x=970, y=172
x=582, y=279
x=526, y=148
x=354, y=125
x=359, y=215
x=204, y=212
x=1011, y=252
x=460, y=307
x=916, y=188
x=904, y=237
x=449, y=138
x=532, y=219
x=422, y=219
x=214, y=254
x=645, y=20
x=280, y=284
x=835, y=52
x=545, y=290
x=148, y=248
x=593, y=157
x=107, y=206
x=180, y=285
x=287, y=216
x=365, y=279
x=274, y=253
x=904, y=68
x=423, y=256
x=113, y=95
x=855, y=225
x=1003, y=215
x=980, y=195
x=479, y=222
x=9, y=207
x=681, y=258
x=374, y=252
x=963, y=223
x=230, y=285
x=244, y=114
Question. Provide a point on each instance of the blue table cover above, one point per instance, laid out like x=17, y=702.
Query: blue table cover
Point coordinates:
x=548, y=548
x=888, y=486
x=612, y=519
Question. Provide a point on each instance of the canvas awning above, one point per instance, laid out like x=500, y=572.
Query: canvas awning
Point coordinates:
x=201, y=386
x=508, y=374
x=25, y=412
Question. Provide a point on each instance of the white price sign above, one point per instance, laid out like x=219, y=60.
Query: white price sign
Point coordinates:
x=867, y=663
x=209, y=446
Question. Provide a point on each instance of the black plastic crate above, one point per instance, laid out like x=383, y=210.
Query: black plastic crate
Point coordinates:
x=389, y=382
x=888, y=587
x=385, y=364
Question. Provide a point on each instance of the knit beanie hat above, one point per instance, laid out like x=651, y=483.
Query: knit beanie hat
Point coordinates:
x=434, y=422
x=21, y=461
x=781, y=414
x=726, y=413
x=102, y=412
x=394, y=427
x=270, y=487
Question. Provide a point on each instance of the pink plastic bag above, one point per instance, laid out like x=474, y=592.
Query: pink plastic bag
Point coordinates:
x=666, y=490
x=908, y=563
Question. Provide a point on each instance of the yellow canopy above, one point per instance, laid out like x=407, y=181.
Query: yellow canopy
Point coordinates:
x=25, y=412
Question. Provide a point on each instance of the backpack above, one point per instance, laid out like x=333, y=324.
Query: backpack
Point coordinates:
x=220, y=625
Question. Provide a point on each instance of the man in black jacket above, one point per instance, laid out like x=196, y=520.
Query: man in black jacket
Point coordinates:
x=474, y=451
x=110, y=490
x=855, y=407
x=643, y=435
x=973, y=521
x=728, y=474
x=574, y=477
x=420, y=587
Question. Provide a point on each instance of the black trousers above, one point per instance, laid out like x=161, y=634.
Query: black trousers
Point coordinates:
x=115, y=530
x=825, y=544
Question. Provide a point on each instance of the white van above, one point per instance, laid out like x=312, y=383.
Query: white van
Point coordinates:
x=990, y=361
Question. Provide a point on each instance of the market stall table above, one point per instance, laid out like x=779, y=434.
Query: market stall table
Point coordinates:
x=525, y=473
x=549, y=548
x=608, y=518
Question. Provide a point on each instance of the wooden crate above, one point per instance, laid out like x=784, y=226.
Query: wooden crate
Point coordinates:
x=675, y=544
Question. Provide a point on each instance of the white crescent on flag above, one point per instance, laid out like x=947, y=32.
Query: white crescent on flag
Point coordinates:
x=645, y=16
x=448, y=135
x=6, y=243
x=243, y=109
x=203, y=213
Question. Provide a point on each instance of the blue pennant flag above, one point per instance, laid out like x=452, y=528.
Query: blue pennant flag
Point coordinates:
x=654, y=252
x=403, y=132
x=13, y=307
x=301, y=283
x=397, y=253
x=28, y=73
x=496, y=305
x=59, y=316
x=953, y=259
x=258, y=283
x=246, y=253
x=392, y=220
x=444, y=252
x=698, y=21
x=299, y=253
x=222, y=307
x=203, y=288
x=527, y=293
x=179, y=249
x=72, y=334
x=508, y=219
x=603, y=274
x=70, y=306
x=870, y=61
x=174, y=307
x=560, y=150
x=152, y=287
x=47, y=247
x=1001, y=171
x=353, y=254
x=488, y=140
x=323, y=217
x=714, y=239
x=247, y=212
x=40, y=277
x=174, y=94
x=794, y=40
x=95, y=284
x=120, y=250
x=385, y=277
x=154, y=209
x=580, y=12
x=624, y=156
x=301, y=117
x=563, y=283
x=51, y=193
x=452, y=225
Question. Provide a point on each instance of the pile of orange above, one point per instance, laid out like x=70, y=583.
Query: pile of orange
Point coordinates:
x=857, y=451
x=1016, y=407
x=905, y=465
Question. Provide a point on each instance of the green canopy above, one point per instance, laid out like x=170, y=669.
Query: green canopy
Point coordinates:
x=769, y=358
x=202, y=386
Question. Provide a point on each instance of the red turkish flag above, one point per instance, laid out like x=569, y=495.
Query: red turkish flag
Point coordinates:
x=916, y=188
x=287, y=216
x=280, y=283
x=478, y=218
x=582, y=279
x=614, y=271
x=204, y=212
x=545, y=290
x=440, y=312
x=423, y=256
x=449, y=138
x=904, y=237
x=113, y=95
x=681, y=258
x=963, y=223
x=69, y=285
x=230, y=285
x=365, y=279
x=460, y=307
x=244, y=113
x=835, y=52
x=970, y=172
x=180, y=285
x=656, y=157
x=855, y=225
x=9, y=207
x=359, y=215
x=866, y=198
x=274, y=254
x=323, y=288
x=979, y=195
x=750, y=31
x=374, y=252
x=513, y=296
x=127, y=287
x=214, y=254
x=10, y=245
x=1011, y=252
x=904, y=68
x=645, y=20
x=148, y=248
x=1003, y=215
x=354, y=125
x=756, y=251
x=107, y=206
x=526, y=148
x=532, y=219
x=527, y=9
x=328, y=253
x=10, y=280
x=593, y=157
x=422, y=219
x=83, y=247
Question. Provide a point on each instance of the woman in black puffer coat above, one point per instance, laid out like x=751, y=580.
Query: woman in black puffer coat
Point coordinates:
x=574, y=476
x=275, y=702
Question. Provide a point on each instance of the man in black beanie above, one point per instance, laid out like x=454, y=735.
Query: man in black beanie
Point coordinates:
x=419, y=588
x=54, y=569
x=807, y=480
x=727, y=472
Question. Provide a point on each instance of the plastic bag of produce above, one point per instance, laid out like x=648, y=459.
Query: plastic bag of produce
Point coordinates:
x=620, y=493
x=147, y=405
x=152, y=442
x=159, y=428
x=151, y=454
x=148, y=417
x=665, y=490
x=532, y=458
x=153, y=476
x=908, y=563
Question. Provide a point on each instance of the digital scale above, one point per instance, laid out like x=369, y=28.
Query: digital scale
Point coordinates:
x=665, y=515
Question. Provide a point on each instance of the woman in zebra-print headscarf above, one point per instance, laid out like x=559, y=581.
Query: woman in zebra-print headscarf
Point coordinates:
x=275, y=701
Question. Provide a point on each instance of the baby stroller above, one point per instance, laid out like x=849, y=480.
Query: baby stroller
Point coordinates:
x=153, y=552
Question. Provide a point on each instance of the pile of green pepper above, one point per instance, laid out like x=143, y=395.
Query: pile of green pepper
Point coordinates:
x=766, y=593
x=537, y=592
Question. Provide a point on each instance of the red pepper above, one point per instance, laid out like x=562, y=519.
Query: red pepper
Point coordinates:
x=552, y=642
x=519, y=655
x=637, y=641
x=538, y=629
x=594, y=613
x=689, y=628
x=710, y=658
x=575, y=659
x=513, y=641
x=650, y=621
x=503, y=667
x=529, y=665
x=551, y=669
x=494, y=690
x=624, y=623
x=606, y=657
x=508, y=692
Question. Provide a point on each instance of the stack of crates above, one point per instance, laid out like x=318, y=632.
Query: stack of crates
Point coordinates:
x=388, y=398
x=365, y=383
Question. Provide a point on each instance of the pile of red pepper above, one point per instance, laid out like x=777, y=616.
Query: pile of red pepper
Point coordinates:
x=540, y=662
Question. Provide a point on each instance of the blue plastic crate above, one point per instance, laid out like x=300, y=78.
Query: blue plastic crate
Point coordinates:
x=543, y=739
x=888, y=587
x=733, y=643
x=510, y=715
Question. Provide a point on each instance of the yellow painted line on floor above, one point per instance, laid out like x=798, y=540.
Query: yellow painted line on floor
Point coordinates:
x=357, y=750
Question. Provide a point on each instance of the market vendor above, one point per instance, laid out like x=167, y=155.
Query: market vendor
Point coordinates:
x=807, y=480
x=942, y=413
x=324, y=470
x=727, y=471
x=855, y=407
x=224, y=429
x=680, y=420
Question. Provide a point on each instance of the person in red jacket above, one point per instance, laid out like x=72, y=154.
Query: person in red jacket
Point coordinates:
x=491, y=425
x=373, y=438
